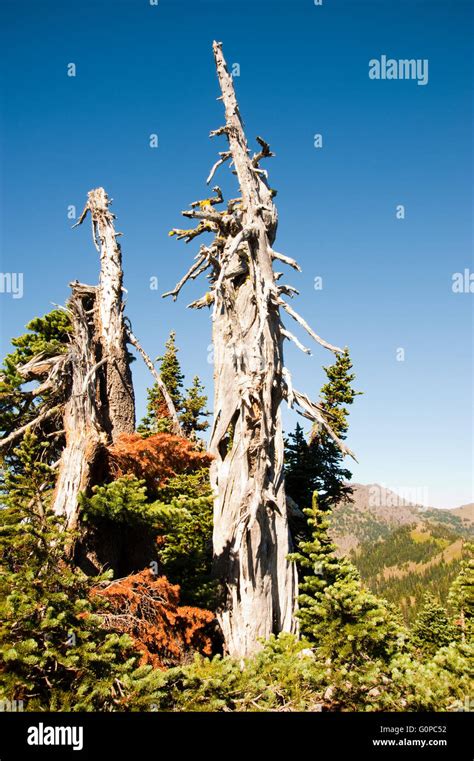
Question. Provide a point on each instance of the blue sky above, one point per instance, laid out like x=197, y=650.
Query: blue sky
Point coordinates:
x=387, y=283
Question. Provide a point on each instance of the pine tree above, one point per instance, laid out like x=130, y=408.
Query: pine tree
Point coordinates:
x=156, y=419
x=461, y=595
x=432, y=628
x=194, y=408
x=47, y=337
x=301, y=476
x=56, y=653
x=344, y=619
x=317, y=465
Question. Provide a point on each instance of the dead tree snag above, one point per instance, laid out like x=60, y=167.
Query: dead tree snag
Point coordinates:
x=251, y=536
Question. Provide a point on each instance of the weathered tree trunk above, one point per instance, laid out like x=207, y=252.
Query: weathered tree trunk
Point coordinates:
x=118, y=403
x=251, y=535
x=84, y=433
x=100, y=404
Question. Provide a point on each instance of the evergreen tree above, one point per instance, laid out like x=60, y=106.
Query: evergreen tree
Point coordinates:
x=47, y=337
x=317, y=465
x=56, y=653
x=194, y=408
x=156, y=419
x=301, y=477
x=432, y=628
x=461, y=595
x=336, y=612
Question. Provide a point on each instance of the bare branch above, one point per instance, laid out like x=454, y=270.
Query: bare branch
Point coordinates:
x=219, y=131
x=264, y=153
x=224, y=156
x=204, y=301
x=293, y=338
x=189, y=235
x=315, y=412
x=286, y=259
x=189, y=274
x=288, y=290
x=210, y=216
x=169, y=402
x=308, y=329
x=14, y=435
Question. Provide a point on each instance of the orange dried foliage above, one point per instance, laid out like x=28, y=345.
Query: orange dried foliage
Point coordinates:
x=147, y=608
x=156, y=458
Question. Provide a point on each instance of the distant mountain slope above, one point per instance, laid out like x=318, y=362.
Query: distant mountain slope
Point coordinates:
x=401, y=548
x=465, y=512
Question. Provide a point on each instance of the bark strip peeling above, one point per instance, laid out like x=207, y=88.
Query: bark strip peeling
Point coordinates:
x=99, y=399
x=251, y=535
x=119, y=403
x=84, y=432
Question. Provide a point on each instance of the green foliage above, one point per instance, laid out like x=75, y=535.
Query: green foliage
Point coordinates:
x=432, y=628
x=31, y=479
x=461, y=595
x=276, y=678
x=194, y=408
x=181, y=516
x=398, y=548
x=354, y=653
x=156, y=419
x=56, y=653
x=318, y=465
x=48, y=336
x=288, y=674
x=442, y=683
x=125, y=501
x=403, y=550
x=335, y=610
x=408, y=590
x=186, y=553
x=191, y=407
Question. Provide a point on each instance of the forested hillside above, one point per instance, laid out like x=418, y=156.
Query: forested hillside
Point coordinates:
x=401, y=549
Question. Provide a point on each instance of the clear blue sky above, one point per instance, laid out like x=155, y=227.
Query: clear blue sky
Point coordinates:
x=145, y=69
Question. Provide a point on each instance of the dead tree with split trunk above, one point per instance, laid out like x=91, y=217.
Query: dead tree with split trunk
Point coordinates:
x=90, y=386
x=99, y=402
x=251, y=536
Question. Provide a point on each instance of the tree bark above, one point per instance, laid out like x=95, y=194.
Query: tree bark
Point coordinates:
x=251, y=535
x=118, y=407
x=84, y=432
x=99, y=400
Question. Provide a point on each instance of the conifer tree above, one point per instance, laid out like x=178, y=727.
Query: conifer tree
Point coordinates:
x=317, y=465
x=432, y=628
x=301, y=475
x=56, y=653
x=335, y=610
x=46, y=337
x=461, y=595
x=194, y=409
x=157, y=418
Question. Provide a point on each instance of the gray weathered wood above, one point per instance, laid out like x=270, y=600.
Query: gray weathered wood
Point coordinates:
x=99, y=402
x=251, y=535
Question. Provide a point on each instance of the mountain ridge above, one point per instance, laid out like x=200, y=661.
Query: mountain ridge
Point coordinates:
x=402, y=548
